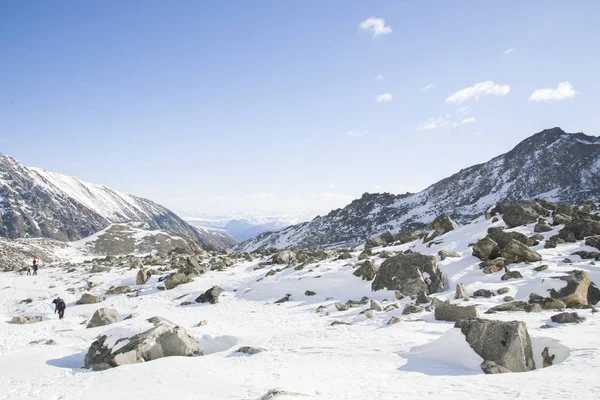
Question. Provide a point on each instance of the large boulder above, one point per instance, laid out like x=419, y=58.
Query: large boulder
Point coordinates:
x=503, y=238
x=411, y=274
x=284, y=257
x=88, y=298
x=486, y=249
x=516, y=251
x=593, y=242
x=517, y=213
x=20, y=320
x=409, y=236
x=376, y=241
x=176, y=279
x=451, y=312
x=387, y=237
x=210, y=296
x=441, y=225
x=593, y=296
x=505, y=343
x=575, y=292
x=161, y=339
x=579, y=230
x=104, y=316
x=367, y=270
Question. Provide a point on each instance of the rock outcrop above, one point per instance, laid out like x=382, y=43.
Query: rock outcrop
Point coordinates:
x=104, y=316
x=411, y=274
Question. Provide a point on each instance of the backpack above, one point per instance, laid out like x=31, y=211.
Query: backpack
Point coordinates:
x=61, y=304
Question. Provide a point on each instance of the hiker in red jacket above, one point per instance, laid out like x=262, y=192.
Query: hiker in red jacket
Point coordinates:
x=35, y=266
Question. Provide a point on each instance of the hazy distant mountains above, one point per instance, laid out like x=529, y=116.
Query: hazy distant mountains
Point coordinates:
x=552, y=164
x=38, y=203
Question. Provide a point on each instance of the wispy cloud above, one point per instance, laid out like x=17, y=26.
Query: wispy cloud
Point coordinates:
x=427, y=87
x=260, y=195
x=564, y=90
x=357, y=134
x=462, y=110
x=481, y=89
x=375, y=25
x=433, y=123
x=468, y=120
x=508, y=51
x=384, y=97
x=379, y=77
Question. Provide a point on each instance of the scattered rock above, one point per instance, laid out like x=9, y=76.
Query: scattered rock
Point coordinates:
x=541, y=228
x=409, y=273
x=447, y=254
x=27, y=301
x=483, y=293
x=88, y=298
x=334, y=323
x=104, y=316
x=486, y=249
x=516, y=251
x=547, y=358
x=48, y=342
x=451, y=312
x=541, y=268
x=375, y=242
x=341, y=307
x=576, y=290
x=210, y=296
x=506, y=299
x=461, y=292
x=441, y=225
x=367, y=270
x=567, y=318
x=202, y=323
x=375, y=305
x=309, y=293
x=505, y=343
x=517, y=213
x=579, y=230
x=284, y=257
x=394, y=320
x=503, y=290
x=411, y=309
x=422, y=298
x=164, y=339
x=142, y=277
x=25, y=320
x=490, y=367
x=511, y=275
x=250, y=350
x=398, y=295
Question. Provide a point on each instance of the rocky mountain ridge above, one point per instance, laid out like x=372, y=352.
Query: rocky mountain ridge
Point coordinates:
x=551, y=164
x=37, y=203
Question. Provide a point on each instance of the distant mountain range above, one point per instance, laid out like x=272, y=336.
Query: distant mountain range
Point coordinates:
x=38, y=203
x=551, y=164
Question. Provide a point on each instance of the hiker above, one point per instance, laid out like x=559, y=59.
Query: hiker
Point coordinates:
x=35, y=266
x=59, y=305
x=28, y=270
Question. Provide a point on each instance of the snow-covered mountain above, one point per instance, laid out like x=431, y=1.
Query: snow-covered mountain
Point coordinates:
x=551, y=164
x=244, y=226
x=38, y=203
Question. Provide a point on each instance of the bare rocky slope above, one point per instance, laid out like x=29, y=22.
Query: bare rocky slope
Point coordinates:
x=36, y=203
x=551, y=165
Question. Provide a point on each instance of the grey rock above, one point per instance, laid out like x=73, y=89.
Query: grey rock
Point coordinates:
x=250, y=350
x=141, y=277
x=505, y=343
x=541, y=268
x=341, y=307
x=411, y=309
x=176, y=279
x=516, y=251
x=375, y=242
x=394, y=320
x=507, y=299
x=576, y=291
x=452, y=312
x=21, y=320
x=486, y=249
x=422, y=298
x=88, y=298
x=567, y=318
x=461, y=292
x=447, y=254
x=284, y=257
x=164, y=339
x=483, y=293
x=441, y=225
x=309, y=293
x=210, y=296
x=375, y=305
x=119, y=290
x=490, y=367
x=104, y=316
x=369, y=313
x=367, y=270
x=503, y=290
x=511, y=275
x=517, y=213
x=406, y=273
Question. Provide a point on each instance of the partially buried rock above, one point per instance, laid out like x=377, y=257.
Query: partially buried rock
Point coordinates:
x=141, y=277
x=394, y=320
x=447, y=254
x=541, y=268
x=576, y=290
x=511, y=275
x=507, y=344
x=334, y=323
x=88, y=298
x=490, y=367
x=422, y=298
x=516, y=251
x=375, y=305
x=104, y=316
x=411, y=309
x=250, y=350
x=441, y=225
x=25, y=320
x=309, y=293
x=451, y=312
x=162, y=339
x=483, y=293
x=461, y=292
x=567, y=318
x=503, y=290
x=410, y=274
x=486, y=249
x=119, y=290
x=210, y=296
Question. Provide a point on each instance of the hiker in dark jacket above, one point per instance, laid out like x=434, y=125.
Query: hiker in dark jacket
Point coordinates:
x=59, y=306
x=35, y=266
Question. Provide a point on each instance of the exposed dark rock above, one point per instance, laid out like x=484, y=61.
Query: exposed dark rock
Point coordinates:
x=21, y=320
x=119, y=290
x=250, y=350
x=461, y=292
x=104, y=316
x=511, y=275
x=576, y=290
x=567, y=318
x=486, y=249
x=541, y=268
x=367, y=270
x=411, y=309
x=409, y=273
x=447, y=254
x=452, y=312
x=483, y=293
x=88, y=298
x=210, y=296
x=516, y=251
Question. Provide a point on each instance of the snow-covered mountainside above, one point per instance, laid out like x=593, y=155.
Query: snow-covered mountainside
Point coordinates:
x=551, y=165
x=308, y=324
x=38, y=203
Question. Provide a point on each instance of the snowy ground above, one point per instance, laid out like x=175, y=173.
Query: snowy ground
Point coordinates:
x=418, y=357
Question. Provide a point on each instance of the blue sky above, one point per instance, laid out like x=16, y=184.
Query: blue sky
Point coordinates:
x=272, y=106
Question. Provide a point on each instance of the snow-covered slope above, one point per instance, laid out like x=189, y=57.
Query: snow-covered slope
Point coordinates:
x=418, y=357
x=38, y=203
x=552, y=165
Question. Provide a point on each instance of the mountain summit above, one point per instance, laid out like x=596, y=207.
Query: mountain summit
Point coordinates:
x=38, y=203
x=551, y=164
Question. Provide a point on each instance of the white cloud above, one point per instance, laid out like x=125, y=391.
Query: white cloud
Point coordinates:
x=481, y=89
x=433, y=123
x=462, y=110
x=357, y=134
x=375, y=25
x=508, y=51
x=260, y=195
x=564, y=90
x=469, y=120
x=427, y=87
x=384, y=97
x=379, y=77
